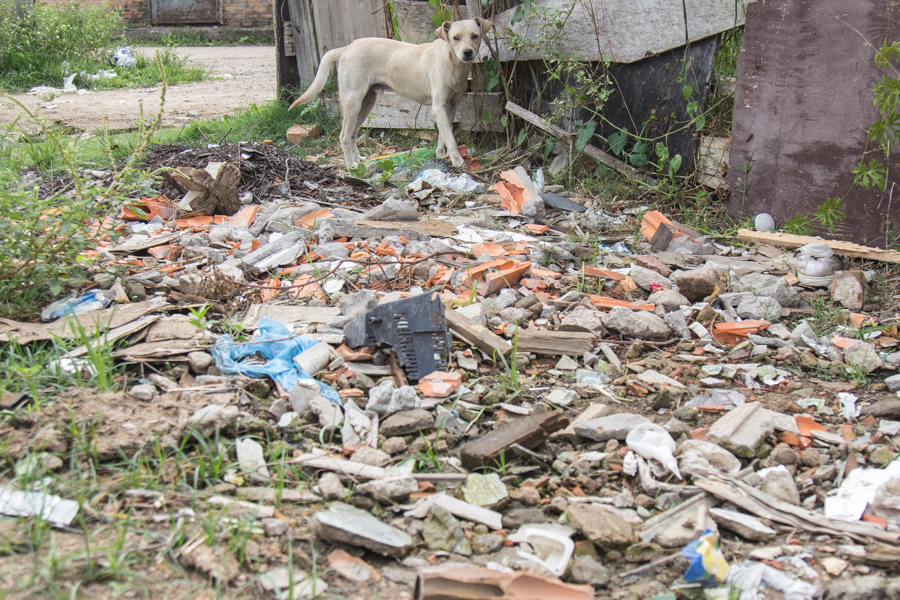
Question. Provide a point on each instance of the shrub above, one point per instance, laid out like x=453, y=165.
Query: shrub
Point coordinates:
x=34, y=47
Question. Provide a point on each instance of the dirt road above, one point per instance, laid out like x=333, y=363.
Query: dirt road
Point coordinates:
x=246, y=76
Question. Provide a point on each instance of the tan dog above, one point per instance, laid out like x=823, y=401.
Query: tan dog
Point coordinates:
x=435, y=73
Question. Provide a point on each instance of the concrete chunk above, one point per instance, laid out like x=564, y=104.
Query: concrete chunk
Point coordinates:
x=611, y=427
x=345, y=524
x=743, y=430
x=282, y=251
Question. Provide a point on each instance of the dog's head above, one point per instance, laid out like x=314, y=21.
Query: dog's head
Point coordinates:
x=464, y=37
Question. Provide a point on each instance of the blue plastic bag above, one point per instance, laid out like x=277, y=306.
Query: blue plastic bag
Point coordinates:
x=70, y=305
x=273, y=341
x=708, y=564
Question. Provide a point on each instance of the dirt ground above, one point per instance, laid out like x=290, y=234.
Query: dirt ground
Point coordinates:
x=246, y=76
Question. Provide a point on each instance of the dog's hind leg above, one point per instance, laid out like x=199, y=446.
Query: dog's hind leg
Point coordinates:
x=368, y=103
x=351, y=103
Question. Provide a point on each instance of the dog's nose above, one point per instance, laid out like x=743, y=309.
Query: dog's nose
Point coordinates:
x=468, y=53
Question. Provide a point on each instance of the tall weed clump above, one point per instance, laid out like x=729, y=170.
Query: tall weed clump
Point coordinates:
x=35, y=44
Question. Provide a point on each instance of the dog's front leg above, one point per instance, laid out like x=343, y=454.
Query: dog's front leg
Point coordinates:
x=443, y=118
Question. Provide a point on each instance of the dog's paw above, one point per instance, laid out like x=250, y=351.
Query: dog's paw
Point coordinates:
x=457, y=161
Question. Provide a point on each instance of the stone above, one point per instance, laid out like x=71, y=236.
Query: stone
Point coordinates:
x=610, y=427
x=522, y=516
x=587, y=570
x=698, y=457
x=487, y=543
x=643, y=552
x=676, y=429
x=441, y=531
x=371, y=456
x=678, y=323
x=849, y=288
x=515, y=316
x=583, y=319
x=885, y=409
x=801, y=331
x=698, y=284
x=393, y=209
x=505, y=299
x=881, y=457
x=474, y=312
x=295, y=134
x=330, y=486
x=274, y=527
x=345, y=524
x=893, y=383
x=394, y=445
x=329, y=414
x=200, y=362
x=778, y=482
x=143, y=392
x=567, y=363
x=406, y=422
x=530, y=496
x=561, y=396
x=285, y=250
x=638, y=324
x=279, y=578
x=251, y=459
x=833, y=565
x=357, y=303
x=484, y=490
x=783, y=454
x=648, y=280
x=768, y=285
x=760, y=308
x=648, y=261
x=746, y=526
x=811, y=457
x=742, y=430
x=871, y=587
x=668, y=299
x=604, y=528
x=394, y=489
x=863, y=355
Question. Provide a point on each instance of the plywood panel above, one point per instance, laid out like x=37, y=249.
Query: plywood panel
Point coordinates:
x=339, y=22
x=803, y=103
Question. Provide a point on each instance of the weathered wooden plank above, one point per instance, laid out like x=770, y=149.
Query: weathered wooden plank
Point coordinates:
x=558, y=343
x=528, y=432
x=305, y=47
x=472, y=332
x=787, y=240
x=339, y=22
x=590, y=150
x=414, y=20
x=476, y=112
x=286, y=74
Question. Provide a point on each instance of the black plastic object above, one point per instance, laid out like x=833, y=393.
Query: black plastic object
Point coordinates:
x=415, y=328
x=557, y=201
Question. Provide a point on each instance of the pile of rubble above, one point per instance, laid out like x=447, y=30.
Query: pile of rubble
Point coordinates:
x=487, y=409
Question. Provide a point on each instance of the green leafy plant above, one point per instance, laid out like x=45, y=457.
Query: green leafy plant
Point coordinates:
x=441, y=13
x=198, y=315
x=387, y=169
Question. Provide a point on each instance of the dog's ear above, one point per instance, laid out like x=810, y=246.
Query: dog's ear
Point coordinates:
x=484, y=24
x=443, y=32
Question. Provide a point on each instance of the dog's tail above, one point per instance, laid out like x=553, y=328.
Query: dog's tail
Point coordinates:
x=325, y=67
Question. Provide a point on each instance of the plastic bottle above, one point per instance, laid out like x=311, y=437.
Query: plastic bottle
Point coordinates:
x=652, y=441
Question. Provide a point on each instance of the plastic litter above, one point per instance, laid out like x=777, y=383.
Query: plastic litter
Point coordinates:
x=858, y=490
x=70, y=305
x=317, y=358
x=150, y=227
x=697, y=457
x=617, y=248
x=727, y=399
x=849, y=410
x=591, y=377
x=652, y=441
x=816, y=265
x=445, y=181
x=708, y=564
x=807, y=402
x=67, y=88
x=551, y=550
x=123, y=57
x=15, y=503
x=274, y=341
x=750, y=578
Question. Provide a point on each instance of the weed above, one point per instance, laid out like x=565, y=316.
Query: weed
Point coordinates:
x=510, y=379
x=199, y=319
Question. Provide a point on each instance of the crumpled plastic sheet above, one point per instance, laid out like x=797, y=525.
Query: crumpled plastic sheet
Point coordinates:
x=444, y=181
x=751, y=577
x=274, y=341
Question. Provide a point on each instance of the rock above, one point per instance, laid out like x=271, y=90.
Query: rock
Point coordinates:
x=217, y=563
x=678, y=322
x=742, y=431
x=862, y=355
x=783, y=455
x=329, y=414
x=610, y=427
x=586, y=569
x=484, y=490
x=303, y=393
x=698, y=284
x=885, y=409
x=833, y=566
x=523, y=516
x=345, y=524
x=295, y=134
x=143, y=392
x=561, y=396
x=642, y=552
x=849, y=288
x=648, y=280
x=567, y=363
x=746, y=526
x=406, y=422
x=394, y=445
x=871, y=587
x=648, y=261
x=530, y=496
x=583, y=319
x=357, y=303
x=801, y=331
x=697, y=457
x=505, y=299
x=668, y=397
x=441, y=531
x=487, y=543
x=881, y=457
x=393, y=210
x=892, y=382
x=251, y=459
x=767, y=285
x=200, y=362
x=811, y=457
x=516, y=316
x=676, y=429
x=600, y=525
x=638, y=324
x=371, y=456
x=779, y=483
x=330, y=487
x=274, y=527
x=760, y=308
x=474, y=312
x=668, y=299
x=394, y=489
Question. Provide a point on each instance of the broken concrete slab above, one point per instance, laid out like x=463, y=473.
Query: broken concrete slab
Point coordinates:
x=639, y=324
x=600, y=525
x=346, y=524
x=746, y=526
x=743, y=430
x=612, y=427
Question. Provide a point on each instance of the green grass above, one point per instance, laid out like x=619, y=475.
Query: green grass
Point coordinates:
x=190, y=37
x=147, y=73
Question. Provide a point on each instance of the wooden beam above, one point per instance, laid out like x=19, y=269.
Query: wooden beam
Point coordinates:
x=528, y=432
x=475, y=334
x=558, y=343
x=592, y=151
x=787, y=240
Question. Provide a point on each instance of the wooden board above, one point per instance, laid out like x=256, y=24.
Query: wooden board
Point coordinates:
x=472, y=332
x=414, y=20
x=305, y=48
x=803, y=104
x=528, y=432
x=786, y=240
x=557, y=343
x=476, y=112
x=432, y=227
x=339, y=22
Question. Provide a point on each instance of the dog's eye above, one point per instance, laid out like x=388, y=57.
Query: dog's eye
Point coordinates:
x=456, y=37
x=474, y=37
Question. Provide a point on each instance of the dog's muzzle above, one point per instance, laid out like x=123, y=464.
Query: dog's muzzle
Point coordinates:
x=468, y=56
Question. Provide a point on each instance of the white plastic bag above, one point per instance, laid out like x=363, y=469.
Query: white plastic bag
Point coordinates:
x=652, y=441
